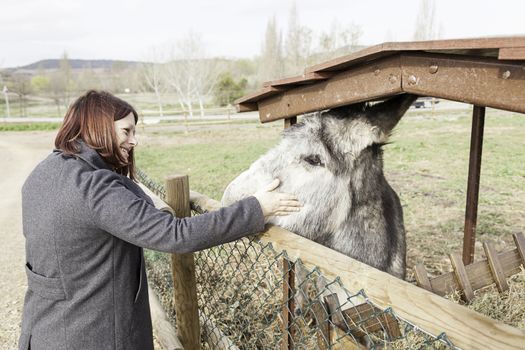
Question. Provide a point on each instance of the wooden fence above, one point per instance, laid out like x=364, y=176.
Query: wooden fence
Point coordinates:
x=465, y=328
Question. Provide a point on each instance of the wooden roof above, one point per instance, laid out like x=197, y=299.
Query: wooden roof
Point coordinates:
x=484, y=71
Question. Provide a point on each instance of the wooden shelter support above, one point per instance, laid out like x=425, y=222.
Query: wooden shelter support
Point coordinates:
x=183, y=269
x=474, y=169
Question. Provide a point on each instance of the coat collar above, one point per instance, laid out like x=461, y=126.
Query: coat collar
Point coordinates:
x=90, y=156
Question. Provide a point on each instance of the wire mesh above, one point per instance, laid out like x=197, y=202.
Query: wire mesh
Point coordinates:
x=251, y=296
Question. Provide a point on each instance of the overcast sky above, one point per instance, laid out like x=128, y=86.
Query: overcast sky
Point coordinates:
x=31, y=30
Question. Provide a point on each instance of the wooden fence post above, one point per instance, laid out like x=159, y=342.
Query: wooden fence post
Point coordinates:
x=183, y=269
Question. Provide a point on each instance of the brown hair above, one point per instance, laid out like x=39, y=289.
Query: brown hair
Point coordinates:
x=91, y=119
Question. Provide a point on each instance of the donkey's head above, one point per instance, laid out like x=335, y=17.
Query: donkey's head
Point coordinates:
x=330, y=160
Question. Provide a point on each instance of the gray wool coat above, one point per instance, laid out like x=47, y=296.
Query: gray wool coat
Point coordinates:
x=85, y=227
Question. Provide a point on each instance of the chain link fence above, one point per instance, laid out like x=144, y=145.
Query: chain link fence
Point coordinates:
x=252, y=296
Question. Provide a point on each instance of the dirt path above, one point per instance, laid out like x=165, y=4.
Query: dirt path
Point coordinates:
x=19, y=154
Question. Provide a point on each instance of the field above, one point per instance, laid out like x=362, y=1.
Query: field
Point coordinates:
x=426, y=163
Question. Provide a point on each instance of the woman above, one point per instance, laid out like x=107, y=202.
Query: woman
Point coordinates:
x=86, y=221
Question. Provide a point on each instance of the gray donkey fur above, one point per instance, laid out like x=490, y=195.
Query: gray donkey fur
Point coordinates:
x=332, y=161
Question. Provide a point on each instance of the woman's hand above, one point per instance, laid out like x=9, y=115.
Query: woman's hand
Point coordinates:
x=276, y=203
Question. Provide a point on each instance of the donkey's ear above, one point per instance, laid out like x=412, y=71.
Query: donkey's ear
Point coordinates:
x=387, y=114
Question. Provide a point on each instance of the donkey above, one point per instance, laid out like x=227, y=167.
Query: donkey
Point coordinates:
x=332, y=161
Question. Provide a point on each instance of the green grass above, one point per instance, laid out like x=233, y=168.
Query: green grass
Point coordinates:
x=212, y=159
x=40, y=126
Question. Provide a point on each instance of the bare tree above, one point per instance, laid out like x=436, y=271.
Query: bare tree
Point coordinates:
x=339, y=40
x=152, y=74
x=190, y=73
x=297, y=45
x=67, y=79
x=426, y=28
x=271, y=65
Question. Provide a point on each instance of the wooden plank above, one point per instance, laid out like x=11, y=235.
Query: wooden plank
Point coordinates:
x=365, y=318
x=341, y=339
x=258, y=95
x=479, y=273
x=164, y=331
x=512, y=53
x=422, y=279
x=462, y=277
x=246, y=107
x=495, y=266
x=474, y=169
x=463, y=45
x=322, y=321
x=383, y=78
x=183, y=269
x=303, y=79
x=519, y=239
x=465, y=328
x=481, y=81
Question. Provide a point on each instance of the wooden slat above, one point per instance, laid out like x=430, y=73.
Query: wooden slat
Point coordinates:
x=258, y=95
x=322, y=322
x=465, y=328
x=461, y=276
x=512, y=53
x=495, y=266
x=482, y=82
x=299, y=80
x=519, y=240
x=381, y=50
x=479, y=273
x=422, y=279
x=345, y=88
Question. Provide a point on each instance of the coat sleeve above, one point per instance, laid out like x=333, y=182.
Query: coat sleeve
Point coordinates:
x=120, y=212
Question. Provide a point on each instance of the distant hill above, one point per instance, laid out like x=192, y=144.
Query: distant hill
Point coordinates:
x=75, y=64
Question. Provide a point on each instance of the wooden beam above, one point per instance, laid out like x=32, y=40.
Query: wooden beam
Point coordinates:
x=372, y=81
x=183, y=269
x=164, y=331
x=474, y=169
x=512, y=53
x=478, y=81
x=464, y=46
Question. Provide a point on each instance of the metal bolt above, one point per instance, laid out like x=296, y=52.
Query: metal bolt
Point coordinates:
x=433, y=68
x=392, y=79
x=506, y=74
x=412, y=80
x=377, y=71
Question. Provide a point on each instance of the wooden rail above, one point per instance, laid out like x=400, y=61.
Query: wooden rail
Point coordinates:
x=466, y=329
x=496, y=268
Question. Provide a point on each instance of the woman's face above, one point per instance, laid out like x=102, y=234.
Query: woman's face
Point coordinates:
x=125, y=129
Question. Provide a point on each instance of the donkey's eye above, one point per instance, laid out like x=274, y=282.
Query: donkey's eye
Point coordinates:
x=314, y=160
